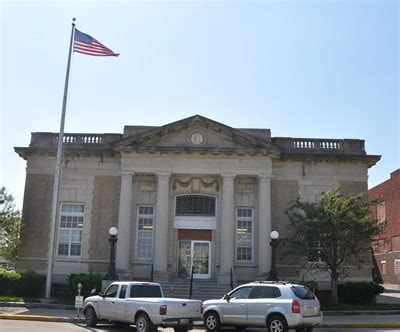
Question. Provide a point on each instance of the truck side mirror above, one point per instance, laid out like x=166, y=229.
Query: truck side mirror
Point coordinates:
x=102, y=294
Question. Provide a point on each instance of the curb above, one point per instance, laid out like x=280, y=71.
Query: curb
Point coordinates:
x=42, y=318
x=361, y=312
x=362, y=325
x=80, y=320
x=38, y=305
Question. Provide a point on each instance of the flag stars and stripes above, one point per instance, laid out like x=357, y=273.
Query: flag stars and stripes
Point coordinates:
x=85, y=44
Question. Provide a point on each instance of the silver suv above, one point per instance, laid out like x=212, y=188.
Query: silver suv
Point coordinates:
x=279, y=306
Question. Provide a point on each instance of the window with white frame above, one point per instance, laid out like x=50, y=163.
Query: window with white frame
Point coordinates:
x=145, y=232
x=70, y=230
x=244, y=234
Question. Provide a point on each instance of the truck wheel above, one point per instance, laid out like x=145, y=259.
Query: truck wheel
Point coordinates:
x=143, y=324
x=91, y=317
x=212, y=322
x=276, y=323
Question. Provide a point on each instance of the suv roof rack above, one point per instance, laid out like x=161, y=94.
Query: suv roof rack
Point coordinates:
x=271, y=282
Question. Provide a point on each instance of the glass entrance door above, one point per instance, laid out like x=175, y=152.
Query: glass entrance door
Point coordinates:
x=196, y=254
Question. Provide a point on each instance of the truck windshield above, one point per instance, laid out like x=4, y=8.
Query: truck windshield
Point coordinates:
x=145, y=291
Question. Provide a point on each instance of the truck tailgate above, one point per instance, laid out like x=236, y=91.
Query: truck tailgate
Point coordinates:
x=183, y=308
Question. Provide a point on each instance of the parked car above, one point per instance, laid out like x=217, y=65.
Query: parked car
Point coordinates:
x=142, y=304
x=279, y=306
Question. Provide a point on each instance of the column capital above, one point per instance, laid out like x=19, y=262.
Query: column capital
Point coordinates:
x=264, y=177
x=126, y=174
x=163, y=175
x=228, y=176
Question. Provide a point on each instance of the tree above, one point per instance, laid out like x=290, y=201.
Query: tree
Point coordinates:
x=10, y=226
x=335, y=232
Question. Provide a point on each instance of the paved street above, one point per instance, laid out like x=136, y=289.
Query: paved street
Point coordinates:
x=23, y=326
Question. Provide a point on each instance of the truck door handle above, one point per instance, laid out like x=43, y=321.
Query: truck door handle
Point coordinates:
x=242, y=305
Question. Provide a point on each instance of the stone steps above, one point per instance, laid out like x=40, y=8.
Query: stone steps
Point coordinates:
x=201, y=290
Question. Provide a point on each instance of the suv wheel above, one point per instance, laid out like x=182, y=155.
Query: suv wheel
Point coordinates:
x=277, y=323
x=212, y=322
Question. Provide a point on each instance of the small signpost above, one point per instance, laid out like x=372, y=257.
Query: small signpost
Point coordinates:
x=79, y=300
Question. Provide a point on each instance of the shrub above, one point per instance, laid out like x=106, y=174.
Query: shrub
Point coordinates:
x=30, y=284
x=88, y=281
x=358, y=292
x=21, y=283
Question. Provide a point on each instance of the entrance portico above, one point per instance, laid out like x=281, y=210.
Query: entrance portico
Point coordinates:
x=184, y=170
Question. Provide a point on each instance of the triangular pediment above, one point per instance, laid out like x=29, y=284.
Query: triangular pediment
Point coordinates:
x=198, y=133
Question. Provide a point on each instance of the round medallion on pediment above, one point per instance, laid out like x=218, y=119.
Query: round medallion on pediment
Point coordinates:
x=196, y=138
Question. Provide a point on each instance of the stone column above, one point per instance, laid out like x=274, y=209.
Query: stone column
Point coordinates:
x=227, y=229
x=264, y=224
x=160, y=253
x=124, y=224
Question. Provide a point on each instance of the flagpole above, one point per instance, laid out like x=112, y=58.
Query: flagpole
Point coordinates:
x=56, y=185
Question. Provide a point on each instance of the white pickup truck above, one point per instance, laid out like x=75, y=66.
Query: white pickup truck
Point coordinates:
x=142, y=304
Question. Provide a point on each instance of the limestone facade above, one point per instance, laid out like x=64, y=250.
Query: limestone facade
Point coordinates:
x=191, y=193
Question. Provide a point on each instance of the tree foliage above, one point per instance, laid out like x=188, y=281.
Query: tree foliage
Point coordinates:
x=10, y=226
x=332, y=234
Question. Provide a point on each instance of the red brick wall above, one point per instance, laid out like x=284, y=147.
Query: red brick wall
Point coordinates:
x=389, y=192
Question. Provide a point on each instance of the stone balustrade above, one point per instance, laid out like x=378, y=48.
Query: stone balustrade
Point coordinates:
x=290, y=145
x=321, y=146
x=84, y=140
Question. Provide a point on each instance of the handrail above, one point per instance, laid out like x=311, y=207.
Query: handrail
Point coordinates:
x=191, y=282
x=231, y=279
x=151, y=273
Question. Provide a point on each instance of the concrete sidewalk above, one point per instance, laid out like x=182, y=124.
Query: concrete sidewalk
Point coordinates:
x=331, y=319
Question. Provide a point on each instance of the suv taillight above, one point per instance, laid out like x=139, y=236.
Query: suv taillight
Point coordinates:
x=295, y=307
x=163, y=310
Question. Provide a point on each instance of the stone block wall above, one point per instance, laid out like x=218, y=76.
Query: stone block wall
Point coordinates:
x=36, y=216
x=104, y=215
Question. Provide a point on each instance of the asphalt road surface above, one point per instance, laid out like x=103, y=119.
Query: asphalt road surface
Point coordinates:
x=32, y=326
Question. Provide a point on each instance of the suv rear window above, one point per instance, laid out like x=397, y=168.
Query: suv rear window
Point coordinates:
x=303, y=292
x=145, y=291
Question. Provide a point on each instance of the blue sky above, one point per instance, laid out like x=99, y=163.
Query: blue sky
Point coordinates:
x=301, y=68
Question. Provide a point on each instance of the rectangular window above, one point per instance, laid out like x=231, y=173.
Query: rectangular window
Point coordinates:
x=383, y=267
x=380, y=213
x=70, y=230
x=316, y=252
x=396, y=243
x=244, y=234
x=145, y=232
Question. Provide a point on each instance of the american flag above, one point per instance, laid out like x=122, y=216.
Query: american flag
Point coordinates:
x=86, y=44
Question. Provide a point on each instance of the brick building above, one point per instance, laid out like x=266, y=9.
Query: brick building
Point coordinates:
x=194, y=192
x=387, y=245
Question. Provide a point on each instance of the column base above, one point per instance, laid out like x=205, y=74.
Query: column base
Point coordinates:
x=225, y=279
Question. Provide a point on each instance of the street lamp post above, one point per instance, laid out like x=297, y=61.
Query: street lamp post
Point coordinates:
x=274, y=242
x=112, y=273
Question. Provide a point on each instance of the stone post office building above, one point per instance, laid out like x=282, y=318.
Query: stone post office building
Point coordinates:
x=192, y=192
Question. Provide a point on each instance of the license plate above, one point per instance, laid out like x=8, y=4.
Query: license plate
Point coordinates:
x=184, y=321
